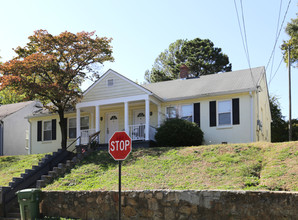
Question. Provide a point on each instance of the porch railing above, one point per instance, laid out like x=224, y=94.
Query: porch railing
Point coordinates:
x=137, y=132
x=85, y=135
x=152, y=132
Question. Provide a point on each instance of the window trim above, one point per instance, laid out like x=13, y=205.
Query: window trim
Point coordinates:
x=172, y=106
x=43, y=130
x=218, y=113
x=192, y=111
x=179, y=110
x=68, y=127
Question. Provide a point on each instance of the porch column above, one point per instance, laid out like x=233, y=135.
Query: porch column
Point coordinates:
x=78, y=124
x=126, y=124
x=147, y=119
x=158, y=115
x=97, y=118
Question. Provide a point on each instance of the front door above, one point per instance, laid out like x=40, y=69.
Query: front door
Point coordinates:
x=139, y=117
x=111, y=125
x=139, y=125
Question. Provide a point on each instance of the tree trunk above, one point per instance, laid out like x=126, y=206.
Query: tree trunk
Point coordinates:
x=63, y=128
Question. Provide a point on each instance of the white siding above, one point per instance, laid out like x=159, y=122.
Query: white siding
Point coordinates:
x=120, y=88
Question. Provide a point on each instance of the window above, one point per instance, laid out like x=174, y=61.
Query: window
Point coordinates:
x=47, y=130
x=85, y=123
x=171, y=112
x=110, y=82
x=184, y=112
x=72, y=126
x=187, y=112
x=225, y=112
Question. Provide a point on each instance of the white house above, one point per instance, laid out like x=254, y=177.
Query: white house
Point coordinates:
x=230, y=107
x=14, y=128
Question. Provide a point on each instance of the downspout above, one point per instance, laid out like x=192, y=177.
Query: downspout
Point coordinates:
x=29, y=141
x=251, y=118
x=1, y=138
x=258, y=114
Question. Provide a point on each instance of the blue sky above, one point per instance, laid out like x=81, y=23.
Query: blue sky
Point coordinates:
x=141, y=29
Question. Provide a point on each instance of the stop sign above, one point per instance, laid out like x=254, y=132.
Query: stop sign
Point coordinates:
x=119, y=145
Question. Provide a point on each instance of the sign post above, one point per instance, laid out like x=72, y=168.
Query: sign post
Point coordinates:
x=119, y=149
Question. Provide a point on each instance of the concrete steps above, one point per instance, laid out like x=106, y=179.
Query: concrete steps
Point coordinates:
x=60, y=170
x=13, y=214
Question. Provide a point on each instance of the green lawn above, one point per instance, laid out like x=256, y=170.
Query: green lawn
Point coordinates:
x=13, y=166
x=257, y=166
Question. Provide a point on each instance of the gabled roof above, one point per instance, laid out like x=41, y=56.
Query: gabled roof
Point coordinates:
x=6, y=110
x=120, y=76
x=208, y=85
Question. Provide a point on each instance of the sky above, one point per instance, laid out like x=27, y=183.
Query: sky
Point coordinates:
x=142, y=29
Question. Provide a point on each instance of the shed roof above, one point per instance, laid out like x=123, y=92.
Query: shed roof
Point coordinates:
x=6, y=110
x=208, y=85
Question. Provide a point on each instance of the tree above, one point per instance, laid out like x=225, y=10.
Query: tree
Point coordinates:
x=279, y=128
x=292, y=31
x=162, y=69
x=199, y=55
x=51, y=69
x=9, y=96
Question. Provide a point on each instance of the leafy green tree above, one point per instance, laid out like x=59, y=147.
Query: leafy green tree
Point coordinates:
x=164, y=65
x=294, y=129
x=51, y=69
x=9, y=96
x=199, y=55
x=279, y=127
x=292, y=31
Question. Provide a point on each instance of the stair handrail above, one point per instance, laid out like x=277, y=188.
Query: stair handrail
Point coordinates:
x=92, y=137
x=78, y=138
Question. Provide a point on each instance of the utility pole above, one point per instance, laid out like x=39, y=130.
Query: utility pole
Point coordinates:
x=290, y=99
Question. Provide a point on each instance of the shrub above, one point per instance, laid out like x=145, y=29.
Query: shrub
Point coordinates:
x=179, y=132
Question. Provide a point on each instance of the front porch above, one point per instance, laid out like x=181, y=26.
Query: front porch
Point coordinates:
x=138, y=115
x=136, y=132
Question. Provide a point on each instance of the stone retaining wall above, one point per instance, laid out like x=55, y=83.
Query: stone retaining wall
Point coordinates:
x=163, y=204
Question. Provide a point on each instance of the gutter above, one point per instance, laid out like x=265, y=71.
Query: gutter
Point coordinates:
x=251, y=118
x=30, y=138
x=211, y=94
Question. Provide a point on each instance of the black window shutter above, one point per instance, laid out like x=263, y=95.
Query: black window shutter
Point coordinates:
x=212, y=113
x=39, y=130
x=236, y=111
x=54, y=129
x=196, y=111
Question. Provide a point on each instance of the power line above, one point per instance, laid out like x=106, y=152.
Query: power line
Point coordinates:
x=280, y=5
x=244, y=40
x=240, y=28
x=243, y=22
x=276, y=39
x=276, y=70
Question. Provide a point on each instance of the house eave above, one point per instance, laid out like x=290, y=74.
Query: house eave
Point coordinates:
x=210, y=94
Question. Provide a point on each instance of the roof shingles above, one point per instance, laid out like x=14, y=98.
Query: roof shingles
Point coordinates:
x=222, y=83
x=6, y=110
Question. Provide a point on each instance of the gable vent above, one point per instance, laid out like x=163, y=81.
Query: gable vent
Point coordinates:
x=110, y=82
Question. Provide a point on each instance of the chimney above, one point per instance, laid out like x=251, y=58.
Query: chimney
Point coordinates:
x=184, y=71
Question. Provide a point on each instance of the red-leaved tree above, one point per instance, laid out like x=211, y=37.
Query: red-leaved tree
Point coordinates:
x=52, y=68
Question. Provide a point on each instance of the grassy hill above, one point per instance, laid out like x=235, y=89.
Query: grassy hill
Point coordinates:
x=13, y=166
x=257, y=166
